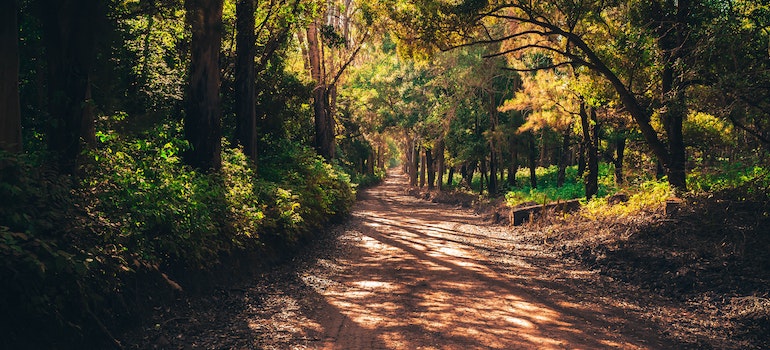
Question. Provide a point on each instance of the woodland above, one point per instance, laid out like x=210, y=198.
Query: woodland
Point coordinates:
x=156, y=148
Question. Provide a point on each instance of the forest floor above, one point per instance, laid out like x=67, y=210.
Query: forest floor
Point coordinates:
x=406, y=273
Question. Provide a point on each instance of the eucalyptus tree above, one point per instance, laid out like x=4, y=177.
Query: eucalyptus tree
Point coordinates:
x=203, y=107
x=588, y=34
x=332, y=40
x=70, y=30
x=263, y=30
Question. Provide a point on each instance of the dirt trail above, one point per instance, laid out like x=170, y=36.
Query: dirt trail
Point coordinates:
x=408, y=274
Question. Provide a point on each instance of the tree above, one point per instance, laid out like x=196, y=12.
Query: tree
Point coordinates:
x=10, y=108
x=70, y=30
x=582, y=33
x=245, y=78
x=332, y=42
x=203, y=118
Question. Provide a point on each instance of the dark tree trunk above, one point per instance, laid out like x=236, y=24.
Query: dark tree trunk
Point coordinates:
x=415, y=164
x=660, y=170
x=469, y=171
x=532, y=156
x=492, y=183
x=422, y=169
x=513, y=167
x=581, y=159
x=324, y=121
x=245, y=78
x=673, y=118
x=441, y=165
x=563, y=157
x=591, y=149
x=620, y=147
x=502, y=170
x=203, y=119
x=483, y=171
x=10, y=108
x=431, y=169
x=450, y=178
x=69, y=30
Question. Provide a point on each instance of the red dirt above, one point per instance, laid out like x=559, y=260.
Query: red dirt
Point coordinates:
x=403, y=273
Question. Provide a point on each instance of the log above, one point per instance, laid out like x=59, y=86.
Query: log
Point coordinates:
x=522, y=215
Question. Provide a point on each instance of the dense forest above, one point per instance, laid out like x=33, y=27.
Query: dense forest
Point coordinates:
x=148, y=145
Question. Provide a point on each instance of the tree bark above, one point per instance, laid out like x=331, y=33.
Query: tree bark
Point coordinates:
x=532, y=155
x=589, y=140
x=430, y=167
x=620, y=147
x=563, y=156
x=421, y=158
x=441, y=165
x=10, y=107
x=69, y=31
x=203, y=119
x=450, y=177
x=513, y=167
x=245, y=78
x=413, y=175
x=483, y=171
x=492, y=181
x=324, y=121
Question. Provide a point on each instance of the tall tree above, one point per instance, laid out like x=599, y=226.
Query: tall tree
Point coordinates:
x=10, y=109
x=245, y=78
x=333, y=40
x=203, y=118
x=70, y=29
x=584, y=33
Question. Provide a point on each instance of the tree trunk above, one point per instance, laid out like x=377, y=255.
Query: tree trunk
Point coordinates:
x=563, y=157
x=483, y=170
x=203, y=119
x=581, y=158
x=431, y=169
x=502, y=170
x=620, y=147
x=413, y=175
x=69, y=30
x=532, y=155
x=324, y=123
x=450, y=178
x=245, y=78
x=672, y=119
x=441, y=165
x=513, y=167
x=421, y=157
x=591, y=149
x=10, y=107
x=492, y=182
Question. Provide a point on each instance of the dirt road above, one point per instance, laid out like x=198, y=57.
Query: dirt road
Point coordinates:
x=409, y=274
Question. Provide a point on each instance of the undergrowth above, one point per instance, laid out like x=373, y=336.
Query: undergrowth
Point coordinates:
x=73, y=250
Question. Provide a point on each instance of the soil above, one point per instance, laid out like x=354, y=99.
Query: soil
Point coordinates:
x=406, y=273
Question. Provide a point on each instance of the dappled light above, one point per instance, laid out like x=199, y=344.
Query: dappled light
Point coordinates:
x=414, y=277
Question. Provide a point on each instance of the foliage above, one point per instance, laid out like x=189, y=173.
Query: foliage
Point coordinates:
x=547, y=191
x=66, y=254
x=648, y=196
x=726, y=175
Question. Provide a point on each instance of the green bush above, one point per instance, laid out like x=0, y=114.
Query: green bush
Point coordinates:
x=67, y=248
x=153, y=205
x=547, y=191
